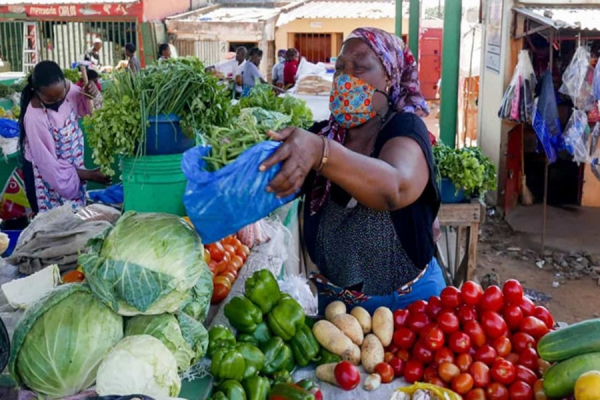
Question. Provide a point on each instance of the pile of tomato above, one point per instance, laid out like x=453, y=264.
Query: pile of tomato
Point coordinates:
x=481, y=344
x=225, y=258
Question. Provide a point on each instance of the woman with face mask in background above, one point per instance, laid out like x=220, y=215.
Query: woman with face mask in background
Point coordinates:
x=277, y=72
x=51, y=139
x=369, y=180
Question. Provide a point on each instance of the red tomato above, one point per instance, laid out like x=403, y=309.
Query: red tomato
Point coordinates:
x=486, y=354
x=403, y=354
x=512, y=291
x=422, y=353
x=480, y=373
x=527, y=306
x=429, y=373
x=493, y=324
x=222, y=286
x=543, y=366
x=448, y=371
x=459, y=342
x=387, y=356
x=222, y=266
x=434, y=339
x=229, y=249
x=418, y=307
x=398, y=366
x=538, y=390
x=497, y=391
x=466, y=313
x=206, y=256
x=392, y=348
x=448, y=322
x=503, y=371
x=347, y=375
x=476, y=394
x=400, y=318
x=464, y=361
x=73, y=276
x=471, y=293
x=404, y=338
x=417, y=322
x=434, y=307
x=526, y=375
x=476, y=333
x=492, y=299
x=451, y=297
x=520, y=391
x=513, y=358
x=232, y=276
x=385, y=371
x=237, y=262
x=443, y=355
x=534, y=326
x=502, y=346
x=217, y=252
x=543, y=314
x=521, y=341
x=437, y=381
x=413, y=371
x=462, y=383
x=244, y=252
x=513, y=315
x=529, y=358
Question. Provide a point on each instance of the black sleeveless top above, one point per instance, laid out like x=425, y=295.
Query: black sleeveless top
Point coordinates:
x=375, y=252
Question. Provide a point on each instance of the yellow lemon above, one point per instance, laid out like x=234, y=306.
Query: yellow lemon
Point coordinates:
x=587, y=386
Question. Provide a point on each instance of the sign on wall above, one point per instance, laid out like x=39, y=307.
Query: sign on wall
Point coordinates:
x=493, y=48
x=76, y=10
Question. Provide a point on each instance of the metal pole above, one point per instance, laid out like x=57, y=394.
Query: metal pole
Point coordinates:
x=399, y=16
x=545, y=204
x=413, y=27
x=450, y=63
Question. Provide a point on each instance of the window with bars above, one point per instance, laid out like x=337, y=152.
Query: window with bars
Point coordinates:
x=316, y=47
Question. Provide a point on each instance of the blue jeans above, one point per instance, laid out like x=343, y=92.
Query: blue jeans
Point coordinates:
x=430, y=284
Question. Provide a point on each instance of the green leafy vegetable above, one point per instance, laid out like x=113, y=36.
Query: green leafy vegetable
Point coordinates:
x=60, y=341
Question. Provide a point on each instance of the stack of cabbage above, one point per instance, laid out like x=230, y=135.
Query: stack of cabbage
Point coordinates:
x=149, y=268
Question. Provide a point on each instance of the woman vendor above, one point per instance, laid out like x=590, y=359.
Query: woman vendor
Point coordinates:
x=51, y=139
x=368, y=175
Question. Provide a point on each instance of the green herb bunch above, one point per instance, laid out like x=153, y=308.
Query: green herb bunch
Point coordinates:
x=72, y=74
x=468, y=168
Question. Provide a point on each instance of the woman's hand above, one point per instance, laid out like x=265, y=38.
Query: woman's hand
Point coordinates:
x=94, y=175
x=300, y=152
x=90, y=89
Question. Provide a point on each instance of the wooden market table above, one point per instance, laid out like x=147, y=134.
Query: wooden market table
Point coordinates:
x=464, y=219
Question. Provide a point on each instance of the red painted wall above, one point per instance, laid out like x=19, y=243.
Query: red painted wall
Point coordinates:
x=430, y=60
x=158, y=10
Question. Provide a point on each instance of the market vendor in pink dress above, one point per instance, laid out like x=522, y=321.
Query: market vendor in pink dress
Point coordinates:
x=51, y=139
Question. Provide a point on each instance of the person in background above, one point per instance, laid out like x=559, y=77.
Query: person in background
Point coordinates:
x=277, y=71
x=51, y=140
x=292, y=60
x=93, y=54
x=240, y=57
x=250, y=72
x=133, y=63
x=164, y=52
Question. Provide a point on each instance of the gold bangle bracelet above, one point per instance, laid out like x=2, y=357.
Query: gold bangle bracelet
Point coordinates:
x=325, y=156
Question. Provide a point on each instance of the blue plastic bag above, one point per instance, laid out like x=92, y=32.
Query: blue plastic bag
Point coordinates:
x=221, y=203
x=9, y=129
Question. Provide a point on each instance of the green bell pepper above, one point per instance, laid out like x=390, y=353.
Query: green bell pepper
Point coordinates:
x=246, y=338
x=219, y=337
x=253, y=357
x=257, y=388
x=233, y=390
x=304, y=345
x=311, y=387
x=262, y=289
x=327, y=357
x=243, y=315
x=286, y=318
x=228, y=364
x=262, y=334
x=277, y=356
x=289, y=391
x=218, y=396
x=282, y=377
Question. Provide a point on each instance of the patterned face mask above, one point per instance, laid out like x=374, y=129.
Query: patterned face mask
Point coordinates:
x=351, y=101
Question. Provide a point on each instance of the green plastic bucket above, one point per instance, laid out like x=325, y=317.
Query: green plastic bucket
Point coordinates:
x=154, y=184
x=7, y=166
x=90, y=164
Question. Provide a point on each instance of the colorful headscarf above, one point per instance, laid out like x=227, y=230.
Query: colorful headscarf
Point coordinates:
x=405, y=92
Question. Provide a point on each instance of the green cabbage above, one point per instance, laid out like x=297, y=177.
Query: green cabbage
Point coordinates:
x=146, y=264
x=139, y=364
x=61, y=340
x=185, y=337
x=198, y=303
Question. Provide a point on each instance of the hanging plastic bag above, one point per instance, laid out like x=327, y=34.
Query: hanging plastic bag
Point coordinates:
x=596, y=82
x=577, y=134
x=221, y=203
x=576, y=76
x=517, y=102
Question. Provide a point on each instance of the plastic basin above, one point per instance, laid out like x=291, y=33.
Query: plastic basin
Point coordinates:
x=164, y=136
x=449, y=193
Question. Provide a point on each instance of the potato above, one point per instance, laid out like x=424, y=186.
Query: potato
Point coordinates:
x=383, y=325
x=326, y=373
x=352, y=356
x=363, y=317
x=333, y=339
x=333, y=309
x=350, y=326
x=372, y=353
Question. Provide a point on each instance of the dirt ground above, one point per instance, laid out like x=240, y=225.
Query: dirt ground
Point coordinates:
x=569, y=280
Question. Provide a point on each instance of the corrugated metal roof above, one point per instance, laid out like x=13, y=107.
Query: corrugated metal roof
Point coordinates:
x=235, y=14
x=341, y=10
x=583, y=18
x=59, y=2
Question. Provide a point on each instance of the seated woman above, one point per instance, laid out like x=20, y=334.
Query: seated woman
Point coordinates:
x=291, y=68
x=369, y=180
x=51, y=139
